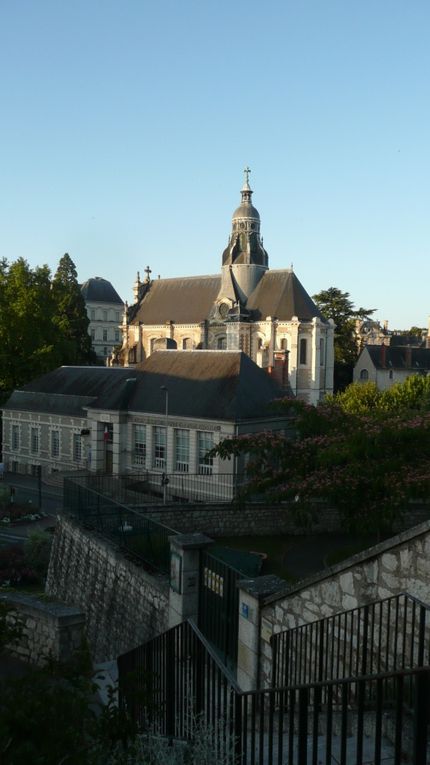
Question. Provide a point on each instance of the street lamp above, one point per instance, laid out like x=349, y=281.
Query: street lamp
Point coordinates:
x=164, y=478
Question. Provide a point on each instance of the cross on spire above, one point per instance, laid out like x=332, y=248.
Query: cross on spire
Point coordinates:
x=247, y=171
x=148, y=273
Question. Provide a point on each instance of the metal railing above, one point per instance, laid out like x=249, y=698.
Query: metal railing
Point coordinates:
x=351, y=721
x=383, y=636
x=142, y=539
x=150, y=488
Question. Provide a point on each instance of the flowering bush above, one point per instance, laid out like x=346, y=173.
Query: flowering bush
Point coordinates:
x=368, y=463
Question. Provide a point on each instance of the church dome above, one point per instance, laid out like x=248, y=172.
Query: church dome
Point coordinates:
x=100, y=291
x=246, y=210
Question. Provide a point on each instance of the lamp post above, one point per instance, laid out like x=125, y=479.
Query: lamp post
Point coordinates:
x=164, y=479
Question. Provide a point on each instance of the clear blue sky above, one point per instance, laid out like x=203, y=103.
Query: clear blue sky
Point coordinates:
x=125, y=127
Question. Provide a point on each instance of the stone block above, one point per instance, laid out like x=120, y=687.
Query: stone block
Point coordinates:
x=390, y=561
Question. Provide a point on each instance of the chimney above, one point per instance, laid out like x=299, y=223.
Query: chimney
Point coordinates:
x=279, y=370
x=383, y=356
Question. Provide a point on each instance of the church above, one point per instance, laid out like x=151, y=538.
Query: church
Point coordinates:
x=265, y=313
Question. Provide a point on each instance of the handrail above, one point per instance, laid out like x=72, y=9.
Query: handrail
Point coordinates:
x=226, y=672
x=371, y=603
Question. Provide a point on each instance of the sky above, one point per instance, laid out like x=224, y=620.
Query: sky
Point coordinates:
x=125, y=127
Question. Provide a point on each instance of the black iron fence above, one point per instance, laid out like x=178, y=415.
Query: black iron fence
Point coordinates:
x=383, y=636
x=352, y=721
x=149, y=488
x=219, y=605
x=144, y=540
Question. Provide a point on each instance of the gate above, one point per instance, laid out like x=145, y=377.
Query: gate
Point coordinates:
x=219, y=606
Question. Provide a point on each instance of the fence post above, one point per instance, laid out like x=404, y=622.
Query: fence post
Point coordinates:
x=184, y=576
x=255, y=631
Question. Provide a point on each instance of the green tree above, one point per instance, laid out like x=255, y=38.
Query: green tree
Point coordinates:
x=27, y=337
x=335, y=304
x=365, y=457
x=70, y=317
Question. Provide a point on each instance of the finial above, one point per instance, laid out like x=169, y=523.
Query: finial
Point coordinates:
x=292, y=267
x=246, y=181
x=148, y=273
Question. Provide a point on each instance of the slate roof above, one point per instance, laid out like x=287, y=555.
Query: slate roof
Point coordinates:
x=413, y=359
x=185, y=300
x=99, y=290
x=225, y=385
x=190, y=300
x=280, y=294
x=216, y=385
x=66, y=390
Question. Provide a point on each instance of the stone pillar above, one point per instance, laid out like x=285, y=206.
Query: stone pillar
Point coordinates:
x=184, y=576
x=251, y=594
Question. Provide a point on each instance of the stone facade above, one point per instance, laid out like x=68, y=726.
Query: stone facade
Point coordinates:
x=123, y=605
x=48, y=630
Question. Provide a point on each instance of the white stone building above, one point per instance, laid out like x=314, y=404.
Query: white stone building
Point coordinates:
x=267, y=314
x=104, y=308
x=162, y=418
x=386, y=366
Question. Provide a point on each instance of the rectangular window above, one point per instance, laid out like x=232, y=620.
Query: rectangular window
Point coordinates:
x=322, y=352
x=77, y=447
x=104, y=315
x=182, y=450
x=303, y=350
x=34, y=440
x=204, y=445
x=139, y=438
x=55, y=443
x=92, y=314
x=15, y=437
x=117, y=335
x=117, y=317
x=93, y=335
x=159, y=447
x=105, y=335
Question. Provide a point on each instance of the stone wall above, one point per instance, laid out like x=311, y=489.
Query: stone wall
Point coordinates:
x=48, y=630
x=400, y=564
x=123, y=604
x=261, y=519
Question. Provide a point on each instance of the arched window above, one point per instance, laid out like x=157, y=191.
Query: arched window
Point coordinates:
x=364, y=374
x=221, y=343
x=322, y=360
x=283, y=344
x=187, y=344
x=259, y=343
x=303, y=351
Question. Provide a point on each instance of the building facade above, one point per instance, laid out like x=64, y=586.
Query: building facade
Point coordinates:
x=104, y=308
x=266, y=314
x=162, y=418
x=386, y=366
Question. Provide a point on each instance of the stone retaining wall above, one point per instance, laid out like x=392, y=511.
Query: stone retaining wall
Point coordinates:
x=400, y=564
x=123, y=604
x=263, y=519
x=48, y=630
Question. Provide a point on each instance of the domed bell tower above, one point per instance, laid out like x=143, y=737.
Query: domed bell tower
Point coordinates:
x=244, y=260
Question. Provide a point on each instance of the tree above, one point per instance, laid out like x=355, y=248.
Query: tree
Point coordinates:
x=335, y=304
x=27, y=336
x=367, y=460
x=70, y=317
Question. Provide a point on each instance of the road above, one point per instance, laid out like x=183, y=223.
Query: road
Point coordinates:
x=27, y=492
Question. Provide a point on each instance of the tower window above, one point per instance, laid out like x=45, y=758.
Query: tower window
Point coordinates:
x=303, y=351
x=364, y=374
x=321, y=352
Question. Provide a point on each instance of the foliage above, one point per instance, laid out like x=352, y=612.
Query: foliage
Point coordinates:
x=335, y=304
x=364, y=452
x=14, y=567
x=10, y=627
x=37, y=551
x=70, y=316
x=43, y=322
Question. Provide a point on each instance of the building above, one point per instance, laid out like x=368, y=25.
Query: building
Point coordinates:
x=161, y=418
x=388, y=365
x=105, y=308
x=267, y=314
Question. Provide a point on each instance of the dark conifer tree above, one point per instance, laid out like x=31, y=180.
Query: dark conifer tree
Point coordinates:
x=70, y=316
